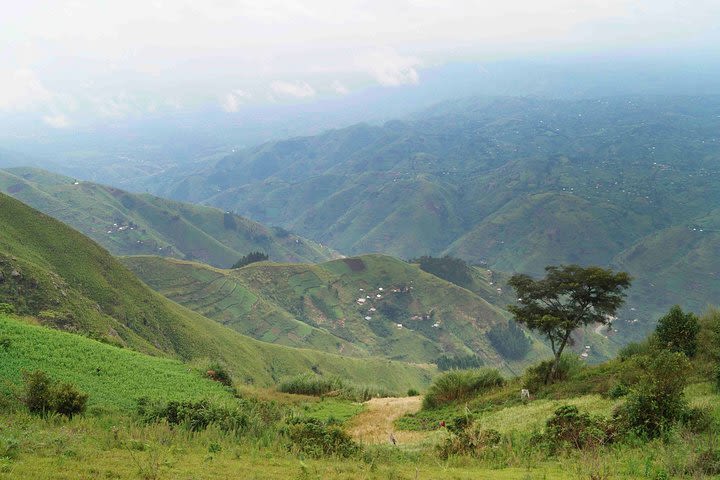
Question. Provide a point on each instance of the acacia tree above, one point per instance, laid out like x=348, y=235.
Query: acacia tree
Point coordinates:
x=567, y=298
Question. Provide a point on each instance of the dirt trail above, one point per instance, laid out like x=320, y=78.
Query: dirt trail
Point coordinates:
x=375, y=423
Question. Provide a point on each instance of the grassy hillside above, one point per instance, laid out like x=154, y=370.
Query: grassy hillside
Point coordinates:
x=69, y=282
x=113, y=377
x=518, y=183
x=127, y=223
x=367, y=305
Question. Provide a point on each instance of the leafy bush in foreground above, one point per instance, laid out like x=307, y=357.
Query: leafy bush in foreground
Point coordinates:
x=535, y=375
x=678, y=331
x=459, y=385
x=317, y=438
x=468, y=439
x=570, y=427
x=42, y=395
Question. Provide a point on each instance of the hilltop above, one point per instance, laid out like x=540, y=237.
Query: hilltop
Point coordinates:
x=54, y=273
x=514, y=183
x=131, y=224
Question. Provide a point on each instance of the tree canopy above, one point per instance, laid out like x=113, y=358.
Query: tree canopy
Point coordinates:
x=251, y=257
x=569, y=297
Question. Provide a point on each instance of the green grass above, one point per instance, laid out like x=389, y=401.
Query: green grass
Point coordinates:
x=113, y=377
x=70, y=282
x=316, y=306
x=331, y=409
x=129, y=224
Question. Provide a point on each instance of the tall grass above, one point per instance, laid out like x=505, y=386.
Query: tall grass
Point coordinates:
x=461, y=385
x=309, y=384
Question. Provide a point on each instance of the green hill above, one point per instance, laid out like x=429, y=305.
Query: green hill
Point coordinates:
x=517, y=183
x=367, y=305
x=114, y=377
x=128, y=224
x=50, y=271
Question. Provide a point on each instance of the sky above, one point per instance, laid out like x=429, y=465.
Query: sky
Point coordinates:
x=68, y=62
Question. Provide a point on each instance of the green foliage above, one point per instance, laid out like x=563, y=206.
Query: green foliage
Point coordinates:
x=458, y=362
x=245, y=417
x=6, y=309
x=412, y=392
x=452, y=269
x=536, y=375
x=678, y=331
x=43, y=395
x=316, y=438
x=468, y=438
x=569, y=297
x=510, y=342
x=460, y=385
x=570, y=427
x=657, y=401
x=218, y=372
x=316, y=385
x=251, y=257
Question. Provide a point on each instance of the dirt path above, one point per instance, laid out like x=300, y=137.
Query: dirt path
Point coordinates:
x=375, y=423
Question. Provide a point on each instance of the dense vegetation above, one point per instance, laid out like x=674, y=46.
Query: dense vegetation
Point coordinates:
x=448, y=268
x=251, y=257
x=371, y=304
x=133, y=224
x=519, y=183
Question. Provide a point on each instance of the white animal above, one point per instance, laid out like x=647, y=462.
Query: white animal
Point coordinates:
x=525, y=395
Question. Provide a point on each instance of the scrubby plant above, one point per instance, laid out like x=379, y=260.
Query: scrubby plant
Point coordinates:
x=657, y=401
x=678, y=331
x=535, y=375
x=6, y=308
x=42, y=395
x=216, y=371
x=412, y=392
x=460, y=385
x=316, y=385
x=570, y=427
x=316, y=438
x=468, y=438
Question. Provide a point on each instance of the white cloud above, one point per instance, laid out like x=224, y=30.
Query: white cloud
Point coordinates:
x=20, y=89
x=339, y=88
x=292, y=89
x=58, y=120
x=389, y=68
x=231, y=101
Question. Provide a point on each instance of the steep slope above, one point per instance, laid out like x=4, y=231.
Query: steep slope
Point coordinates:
x=69, y=282
x=127, y=223
x=372, y=304
x=517, y=183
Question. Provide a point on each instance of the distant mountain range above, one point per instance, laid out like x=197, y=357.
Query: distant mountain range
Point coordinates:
x=514, y=183
x=127, y=223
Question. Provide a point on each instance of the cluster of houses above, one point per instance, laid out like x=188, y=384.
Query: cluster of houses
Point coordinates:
x=369, y=296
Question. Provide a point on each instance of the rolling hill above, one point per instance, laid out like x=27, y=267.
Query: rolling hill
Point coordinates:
x=366, y=305
x=514, y=183
x=68, y=282
x=127, y=223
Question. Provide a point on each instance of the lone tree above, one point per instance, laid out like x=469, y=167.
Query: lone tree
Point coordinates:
x=678, y=331
x=567, y=298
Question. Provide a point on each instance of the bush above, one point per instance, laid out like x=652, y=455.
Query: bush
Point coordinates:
x=569, y=427
x=7, y=309
x=706, y=462
x=697, y=420
x=619, y=390
x=460, y=385
x=219, y=373
x=412, y=392
x=678, y=331
x=317, y=438
x=42, y=395
x=535, y=375
x=657, y=401
x=247, y=417
x=468, y=438
x=310, y=384
x=633, y=349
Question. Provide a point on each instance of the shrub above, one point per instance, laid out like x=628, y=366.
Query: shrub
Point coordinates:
x=678, y=331
x=706, y=462
x=42, y=395
x=219, y=373
x=460, y=385
x=7, y=309
x=633, y=349
x=569, y=427
x=317, y=438
x=468, y=438
x=535, y=375
x=316, y=385
x=697, y=420
x=412, y=392
x=657, y=401
x=619, y=390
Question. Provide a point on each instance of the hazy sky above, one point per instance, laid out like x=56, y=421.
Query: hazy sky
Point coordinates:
x=64, y=61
